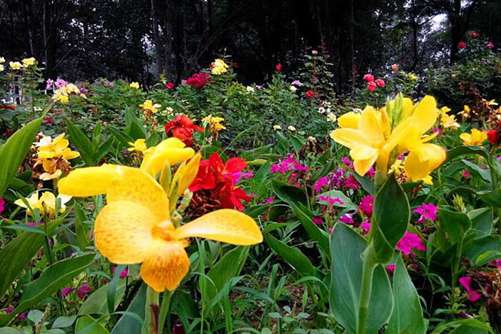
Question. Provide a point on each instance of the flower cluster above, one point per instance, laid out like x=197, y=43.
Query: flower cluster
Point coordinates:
x=183, y=128
x=52, y=157
x=215, y=124
x=26, y=63
x=289, y=164
x=219, y=67
x=198, y=80
x=373, y=83
x=46, y=204
x=63, y=90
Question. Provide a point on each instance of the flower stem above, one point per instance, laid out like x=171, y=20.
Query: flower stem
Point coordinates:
x=164, y=311
x=151, y=312
x=365, y=289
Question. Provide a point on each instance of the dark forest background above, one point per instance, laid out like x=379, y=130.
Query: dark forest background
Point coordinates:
x=145, y=39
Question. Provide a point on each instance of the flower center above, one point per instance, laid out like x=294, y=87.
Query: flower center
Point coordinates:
x=164, y=231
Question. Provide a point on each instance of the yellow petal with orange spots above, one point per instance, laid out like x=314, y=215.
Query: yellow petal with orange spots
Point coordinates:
x=226, y=225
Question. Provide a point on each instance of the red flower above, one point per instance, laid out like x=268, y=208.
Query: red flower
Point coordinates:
x=371, y=86
x=462, y=45
x=182, y=128
x=380, y=83
x=48, y=120
x=493, y=137
x=169, y=85
x=474, y=34
x=198, y=80
x=309, y=94
x=7, y=106
x=278, y=68
x=220, y=180
x=368, y=77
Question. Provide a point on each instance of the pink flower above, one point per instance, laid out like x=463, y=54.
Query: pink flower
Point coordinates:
x=394, y=68
x=317, y=220
x=65, y=292
x=83, y=290
x=269, y=200
x=288, y=164
x=124, y=273
x=368, y=77
x=346, y=219
x=371, y=86
x=278, y=68
x=409, y=242
x=380, y=83
x=49, y=84
x=466, y=174
x=347, y=162
x=366, y=204
x=365, y=226
x=474, y=34
x=9, y=309
x=391, y=267
x=371, y=172
x=320, y=183
x=427, y=211
x=473, y=295
x=330, y=200
x=2, y=205
x=490, y=45
x=170, y=85
x=351, y=183
x=462, y=45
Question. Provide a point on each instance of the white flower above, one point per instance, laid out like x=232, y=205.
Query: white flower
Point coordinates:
x=321, y=110
x=2, y=60
x=331, y=117
x=291, y=128
x=277, y=127
x=312, y=139
x=250, y=89
x=293, y=89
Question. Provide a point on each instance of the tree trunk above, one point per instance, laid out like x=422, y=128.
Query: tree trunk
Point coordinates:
x=156, y=39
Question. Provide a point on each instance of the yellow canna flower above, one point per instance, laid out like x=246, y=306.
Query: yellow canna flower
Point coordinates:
x=138, y=146
x=134, y=85
x=474, y=138
x=379, y=136
x=135, y=225
x=57, y=148
x=169, y=152
x=27, y=62
x=219, y=67
x=148, y=106
x=46, y=203
x=214, y=123
x=448, y=121
x=15, y=65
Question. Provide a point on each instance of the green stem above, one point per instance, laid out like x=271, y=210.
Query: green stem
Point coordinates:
x=151, y=312
x=365, y=289
x=164, y=311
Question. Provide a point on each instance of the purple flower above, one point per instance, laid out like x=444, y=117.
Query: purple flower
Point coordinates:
x=497, y=263
x=9, y=309
x=296, y=83
x=83, y=290
x=22, y=316
x=49, y=84
x=427, y=211
x=473, y=295
x=2, y=205
x=83, y=90
x=65, y=292
x=346, y=219
x=409, y=242
x=337, y=178
x=330, y=200
x=317, y=220
x=269, y=200
x=366, y=205
x=60, y=83
x=365, y=226
x=320, y=183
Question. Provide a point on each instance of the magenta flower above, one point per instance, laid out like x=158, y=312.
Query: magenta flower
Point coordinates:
x=365, y=226
x=269, y=200
x=49, y=84
x=330, y=200
x=346, y=219
x=83, y=290
x=2, y=205
x=351, y=183
x=320, y=183
x=466, y=174
x=371, y=172
x=497, y=263
x=9, y=309
x=409, y=242
x=366, y=205
x=391, y=267
x=239, y=176
x=288, y=164
x=473, y=295
x=317, y=220
x=427, y=211
x=65, y=292
x=124, y=273
x=347, y=162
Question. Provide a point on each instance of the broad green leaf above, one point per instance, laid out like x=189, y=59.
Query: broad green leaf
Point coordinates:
x=35, y=316
x=9, y=330
x=452, y=225
x=491, y=197
x=64, y=321
x=484, y=173
x=407, y=316
x=129, y=323
x=134, y=127
x=83, y=144
x=296, y=198
x=346, y=275
x=467, y=150
x=89, y=325
x=483, y=250
x=346, y=201
x=391, y=216
x=292, y=255
x=15, y=257
x=464, y=326
x=14, y=150
x=52, y=280
x=481, y=220
x=97, y=302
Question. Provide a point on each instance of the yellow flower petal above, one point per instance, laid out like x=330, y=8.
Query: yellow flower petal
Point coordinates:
x=349, y=120
x=350, y=137
x=230, y=226
x=170, y=151
x=425, y=114
x=88, y=181
x=186, y=173
x=364, y=157
x=423, y=160
x=123, y=232
x=165, y=265
x=370, y=125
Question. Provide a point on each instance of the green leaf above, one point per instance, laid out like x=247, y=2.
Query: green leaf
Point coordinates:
x=14, y=150
x=133, y=126
x=391, y=216
x=64, y=321
x=129, y=323
x=491, y=197
x=467, y=150
x=52, y=279
x=483, y=250
x=452, y=225
x=407, y=316
x=35, y=316
x=347, y=203
x=292, y=255
x=296, y=198
x=89, y=325
x=97, y=302
x=484, y=173
x=9, y=330
x=481, y=220
x=346, y=276
x=82, y=143
x=16, y=255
